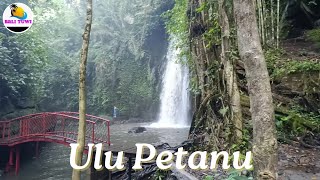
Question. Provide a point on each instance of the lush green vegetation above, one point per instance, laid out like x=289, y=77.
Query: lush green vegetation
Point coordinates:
x=279, y=65
x=291, y=67
x=23, y=60
x=127, y=48
x=125, y=57
x=185, y=20
x=314, y=35
x=294, y=120
x=297, y=122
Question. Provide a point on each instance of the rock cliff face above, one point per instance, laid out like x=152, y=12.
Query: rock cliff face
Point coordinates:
x=304, y=87
x=297, y=89
x=12, y=106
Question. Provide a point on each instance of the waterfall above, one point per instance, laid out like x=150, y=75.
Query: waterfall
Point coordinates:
x=174, y=97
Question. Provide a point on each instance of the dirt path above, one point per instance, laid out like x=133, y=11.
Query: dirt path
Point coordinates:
x=295, y=163
x=301, y=49
x=298, y=163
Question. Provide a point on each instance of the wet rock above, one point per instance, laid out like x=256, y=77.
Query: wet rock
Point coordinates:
x=245, y=173
x=304, y=160
x=280, y=172
x=137, y=130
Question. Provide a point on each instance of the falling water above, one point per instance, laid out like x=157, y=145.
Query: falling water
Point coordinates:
x=174, y=97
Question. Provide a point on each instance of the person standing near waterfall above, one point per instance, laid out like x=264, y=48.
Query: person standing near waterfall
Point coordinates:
x=115, y=112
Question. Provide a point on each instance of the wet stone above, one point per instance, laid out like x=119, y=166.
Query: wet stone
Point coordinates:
x=137, y=130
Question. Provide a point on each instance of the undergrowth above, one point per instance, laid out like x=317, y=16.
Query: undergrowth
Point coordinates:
x=279, y=66
x=297, y=123
x=314, y=35
x=160, y=175
x=291, y=67
x=235, y=174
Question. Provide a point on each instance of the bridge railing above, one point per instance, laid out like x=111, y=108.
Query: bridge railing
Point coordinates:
x=102, y=125
x=61, y=127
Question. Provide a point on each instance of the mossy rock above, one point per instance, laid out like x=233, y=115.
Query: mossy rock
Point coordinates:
x=302, y=82
x=303, y=87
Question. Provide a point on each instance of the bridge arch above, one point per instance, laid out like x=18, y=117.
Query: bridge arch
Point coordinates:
x=58, y=127
x=55, y=127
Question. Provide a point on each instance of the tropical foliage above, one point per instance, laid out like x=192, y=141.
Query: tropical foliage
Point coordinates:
x=124, y=62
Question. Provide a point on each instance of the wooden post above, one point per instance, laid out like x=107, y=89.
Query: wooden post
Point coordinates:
x=10, y=162
x=17, y=159
x=11, y=157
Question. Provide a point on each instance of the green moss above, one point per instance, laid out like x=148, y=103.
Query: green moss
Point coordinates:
x=279, y=66
x=291, y=67
x=272, y=56
x=314, y=35
x=297, y=122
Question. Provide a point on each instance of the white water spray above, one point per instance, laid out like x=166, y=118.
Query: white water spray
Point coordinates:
x=174, y=97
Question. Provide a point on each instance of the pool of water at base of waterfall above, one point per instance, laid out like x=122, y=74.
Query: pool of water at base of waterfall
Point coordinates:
x=53, y=161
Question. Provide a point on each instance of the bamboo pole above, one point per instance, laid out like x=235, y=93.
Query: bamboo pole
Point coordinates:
x=278, y=22
x=272, y=20
x=260, y=20
x=263, y=19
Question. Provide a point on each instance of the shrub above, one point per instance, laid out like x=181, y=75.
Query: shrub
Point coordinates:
x=314, y=35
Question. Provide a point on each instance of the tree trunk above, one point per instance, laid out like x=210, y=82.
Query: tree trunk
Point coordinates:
x=82, y=90
x=264, y=133
x=230, y=75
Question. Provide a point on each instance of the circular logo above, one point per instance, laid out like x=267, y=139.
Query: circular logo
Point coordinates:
x=17, y=17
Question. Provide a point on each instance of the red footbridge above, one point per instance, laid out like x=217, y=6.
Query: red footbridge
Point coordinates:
x=56, y=127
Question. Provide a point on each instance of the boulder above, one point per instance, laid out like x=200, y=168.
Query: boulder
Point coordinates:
x=137, y=130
